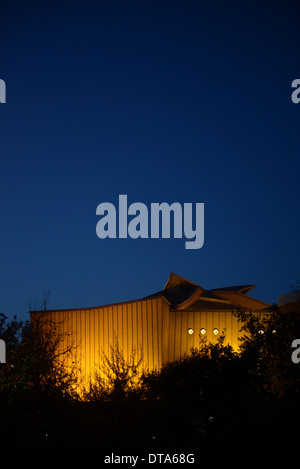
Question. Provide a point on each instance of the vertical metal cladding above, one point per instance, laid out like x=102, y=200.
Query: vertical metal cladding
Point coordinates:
x=137, y=325
x=148, y=327
x=161, y=328
x=181, y=342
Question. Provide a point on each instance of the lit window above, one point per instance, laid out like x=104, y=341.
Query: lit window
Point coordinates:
x=191, y=331
x=203, y=331
x=216, y=331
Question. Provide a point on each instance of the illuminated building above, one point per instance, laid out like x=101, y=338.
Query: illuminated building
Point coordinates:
x=162, y=326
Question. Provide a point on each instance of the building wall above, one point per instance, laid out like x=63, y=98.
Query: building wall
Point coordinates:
x=147, y=326
x=139, y=325
x=180, y=341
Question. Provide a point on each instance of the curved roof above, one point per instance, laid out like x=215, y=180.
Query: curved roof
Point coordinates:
x=181, y=294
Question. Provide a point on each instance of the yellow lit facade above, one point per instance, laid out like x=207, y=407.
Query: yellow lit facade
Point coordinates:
x=161, y=327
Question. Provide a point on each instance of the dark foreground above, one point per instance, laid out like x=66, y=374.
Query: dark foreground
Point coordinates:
x=147, y=426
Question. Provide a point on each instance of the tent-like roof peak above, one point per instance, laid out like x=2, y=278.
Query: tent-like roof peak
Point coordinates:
x=181, y=294
x=175, y=280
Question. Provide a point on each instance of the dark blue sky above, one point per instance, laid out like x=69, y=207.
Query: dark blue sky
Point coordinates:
x=164, y=101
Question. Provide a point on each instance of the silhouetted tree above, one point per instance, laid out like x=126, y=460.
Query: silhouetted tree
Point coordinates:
x=207, y=391
x=266, y=351
x=39, y=305
x=34, y=380
x=116, y=378
x=194, y=377
x=35, y=358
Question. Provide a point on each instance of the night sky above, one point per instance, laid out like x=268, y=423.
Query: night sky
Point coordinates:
x=165, y=101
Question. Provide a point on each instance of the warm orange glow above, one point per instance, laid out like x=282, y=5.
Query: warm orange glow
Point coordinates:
x=153, y=327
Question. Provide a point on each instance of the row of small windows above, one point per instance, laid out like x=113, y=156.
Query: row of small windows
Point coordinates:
x=216, y=331
x=203, y=331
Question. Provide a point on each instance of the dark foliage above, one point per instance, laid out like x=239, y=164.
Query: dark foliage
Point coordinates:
x=212, y=398
x=115, y=378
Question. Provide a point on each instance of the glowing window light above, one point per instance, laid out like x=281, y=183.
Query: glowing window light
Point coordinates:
x=216, y=331
x=203, y=331
x=191, y=331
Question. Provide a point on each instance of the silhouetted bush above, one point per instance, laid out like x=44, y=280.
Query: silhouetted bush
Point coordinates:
x=115, y=378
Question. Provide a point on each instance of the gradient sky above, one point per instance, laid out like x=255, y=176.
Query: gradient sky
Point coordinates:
x=164, y=101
